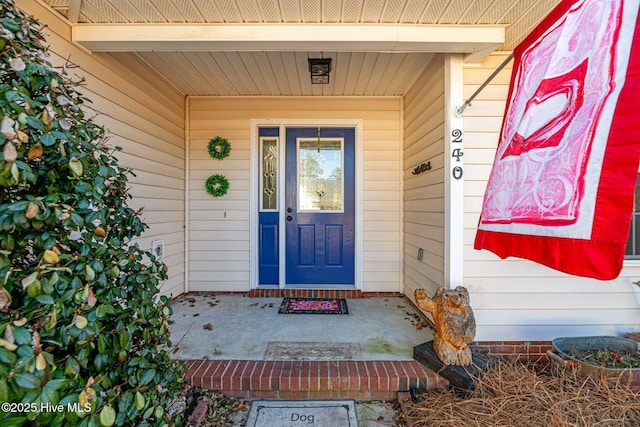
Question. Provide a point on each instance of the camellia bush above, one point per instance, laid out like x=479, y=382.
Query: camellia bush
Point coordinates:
x=83, y=333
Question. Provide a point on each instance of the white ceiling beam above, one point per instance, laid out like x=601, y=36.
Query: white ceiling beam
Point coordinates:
x=288, y=37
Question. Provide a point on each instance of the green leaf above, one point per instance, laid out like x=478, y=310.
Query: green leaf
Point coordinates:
x=140, y=402
x=45, y=299
x=4, y=391
x=12, y=96
x=107, y=416
x=47, y=139
x=89, y=273
x=103, y=344
x=56, y=384
x=103, y=310
x=7, y=357
x=49, y=395
x=14, y=421
x=35, y=123
x=71, y=368
x=159, y=411
x=27, y=380
x=124, y=339
x=148, y=376
x=21, y=335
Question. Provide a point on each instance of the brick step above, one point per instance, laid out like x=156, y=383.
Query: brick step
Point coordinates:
x=360, y=380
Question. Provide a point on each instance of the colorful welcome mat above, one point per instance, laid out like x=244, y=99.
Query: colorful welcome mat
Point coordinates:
x=314, y=306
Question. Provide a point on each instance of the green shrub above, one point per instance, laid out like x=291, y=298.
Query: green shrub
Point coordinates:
x=83, y=333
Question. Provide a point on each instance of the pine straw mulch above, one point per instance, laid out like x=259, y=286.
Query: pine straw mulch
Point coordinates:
x=513, y=393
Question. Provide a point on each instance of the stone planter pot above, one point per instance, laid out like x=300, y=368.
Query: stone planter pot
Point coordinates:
x=563, y=362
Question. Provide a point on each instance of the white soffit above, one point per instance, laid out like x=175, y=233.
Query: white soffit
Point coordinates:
x=471, y=39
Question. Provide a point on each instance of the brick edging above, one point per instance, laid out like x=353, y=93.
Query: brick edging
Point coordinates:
x=311, y=379
x=521, y=350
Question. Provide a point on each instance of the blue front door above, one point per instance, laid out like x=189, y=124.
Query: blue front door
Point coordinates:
x=320, y=206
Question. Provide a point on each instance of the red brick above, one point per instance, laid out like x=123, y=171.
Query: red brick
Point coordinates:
x=323, y=376
x=334, y=375
x=513, y=342
x=228, y=377
x=223, y=374
x=355, y=394
x=202, y=368
x=265, y=394
x=383, y=395
x=255, y=376
x=374, y=376
x=329, y=394
x=238, y=394
x=285, y=375
x=213, y=372
x=236, y=375
x=247, y=374
x=354, y=377
x=291, y=394
x=384, y=382
x=363, y=375
x=295, y=376
x=394, y=375
x=265, y=376
x=199, y=413
x=276, y=383
x=309, y=375
x=634, y=336
x=503, y=349
x=192, y=367
x=414, y=377
x=404, y=380
x=355, y=382
x=204, y=374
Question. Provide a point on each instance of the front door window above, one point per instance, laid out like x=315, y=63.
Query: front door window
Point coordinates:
x=320, y=175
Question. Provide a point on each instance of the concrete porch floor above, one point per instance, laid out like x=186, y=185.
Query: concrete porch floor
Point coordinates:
x=223, y=340
x=236, y=327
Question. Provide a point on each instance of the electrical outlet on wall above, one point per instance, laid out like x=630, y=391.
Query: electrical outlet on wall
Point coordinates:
x=157, y=248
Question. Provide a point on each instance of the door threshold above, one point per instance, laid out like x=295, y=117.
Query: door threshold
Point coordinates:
x=323, y=287
x=347, y=293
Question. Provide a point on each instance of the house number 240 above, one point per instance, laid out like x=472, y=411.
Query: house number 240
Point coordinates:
x=457, y=153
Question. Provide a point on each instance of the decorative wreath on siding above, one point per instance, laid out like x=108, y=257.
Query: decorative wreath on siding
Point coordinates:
x=219, y=148
x=217, y=185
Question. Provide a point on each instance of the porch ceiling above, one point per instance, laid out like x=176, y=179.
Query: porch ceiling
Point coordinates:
x=258, y=47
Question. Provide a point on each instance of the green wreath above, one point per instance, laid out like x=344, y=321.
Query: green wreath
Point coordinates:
x=219, y=148
x=217, y=185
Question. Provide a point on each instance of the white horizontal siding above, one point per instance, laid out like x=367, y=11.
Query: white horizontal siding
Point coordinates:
x=516, y=299
x=423, y=195
x=219, y=228
x=144, y=116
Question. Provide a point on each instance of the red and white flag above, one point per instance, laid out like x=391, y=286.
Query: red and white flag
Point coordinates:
x=562, y=185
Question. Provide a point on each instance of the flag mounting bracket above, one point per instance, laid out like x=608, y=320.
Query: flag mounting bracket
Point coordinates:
x=459, y=110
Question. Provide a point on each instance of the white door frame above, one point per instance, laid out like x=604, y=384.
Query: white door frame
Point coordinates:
x=254, y=188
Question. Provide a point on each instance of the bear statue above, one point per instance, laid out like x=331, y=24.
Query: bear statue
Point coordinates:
x=455, y=324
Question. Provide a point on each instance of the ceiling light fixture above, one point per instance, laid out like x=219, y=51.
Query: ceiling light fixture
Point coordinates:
x=319, y=69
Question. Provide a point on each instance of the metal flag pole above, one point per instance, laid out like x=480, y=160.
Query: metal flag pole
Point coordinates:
x=460, y=110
